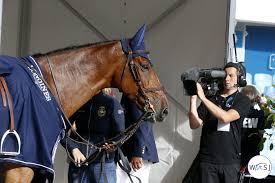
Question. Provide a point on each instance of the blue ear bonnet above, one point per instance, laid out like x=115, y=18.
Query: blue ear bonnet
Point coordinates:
x=136, y=45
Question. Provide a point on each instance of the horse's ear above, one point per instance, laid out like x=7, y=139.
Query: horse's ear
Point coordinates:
x=138, y=38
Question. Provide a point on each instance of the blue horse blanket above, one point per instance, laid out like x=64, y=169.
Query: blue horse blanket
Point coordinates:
x=38, y=119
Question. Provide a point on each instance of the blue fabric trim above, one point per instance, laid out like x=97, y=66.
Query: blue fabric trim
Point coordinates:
x=35, y=64
x=128, y=46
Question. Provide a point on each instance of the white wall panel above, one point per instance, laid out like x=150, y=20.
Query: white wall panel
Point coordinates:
x=10, y=26
x=54, y=26
x=193, y=35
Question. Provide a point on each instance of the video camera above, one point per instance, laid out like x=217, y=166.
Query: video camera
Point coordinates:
x=211, y=80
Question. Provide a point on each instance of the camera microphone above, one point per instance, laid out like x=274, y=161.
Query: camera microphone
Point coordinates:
x=207, y=73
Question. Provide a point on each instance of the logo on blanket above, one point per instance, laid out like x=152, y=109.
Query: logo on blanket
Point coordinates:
x=41, y=85
x=101, y=112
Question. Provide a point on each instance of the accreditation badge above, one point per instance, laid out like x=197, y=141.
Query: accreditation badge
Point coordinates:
x=224, y=127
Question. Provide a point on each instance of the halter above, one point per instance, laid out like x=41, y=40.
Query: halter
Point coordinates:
x=133, y=70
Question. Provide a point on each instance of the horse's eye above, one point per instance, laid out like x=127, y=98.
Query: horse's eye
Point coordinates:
x=144, y=66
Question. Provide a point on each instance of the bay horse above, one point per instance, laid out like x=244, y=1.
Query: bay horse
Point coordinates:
x=76, y=74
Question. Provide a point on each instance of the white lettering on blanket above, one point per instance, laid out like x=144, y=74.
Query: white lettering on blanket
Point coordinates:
x=41, y=85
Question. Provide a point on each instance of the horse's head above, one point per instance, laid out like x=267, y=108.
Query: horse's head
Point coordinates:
x=139, y=81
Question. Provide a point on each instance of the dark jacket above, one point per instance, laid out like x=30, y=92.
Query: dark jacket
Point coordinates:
x=142, y=143
x=98, y=120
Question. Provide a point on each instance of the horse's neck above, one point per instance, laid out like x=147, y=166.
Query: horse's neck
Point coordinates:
x=77, y=75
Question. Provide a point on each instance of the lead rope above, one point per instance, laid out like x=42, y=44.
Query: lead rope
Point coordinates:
x=122, y=138
x=125, y=165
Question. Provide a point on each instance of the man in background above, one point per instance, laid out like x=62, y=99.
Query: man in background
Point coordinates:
x=253, y=122
x=98, y=120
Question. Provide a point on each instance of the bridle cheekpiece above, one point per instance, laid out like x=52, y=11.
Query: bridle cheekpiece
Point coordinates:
x=131, y=54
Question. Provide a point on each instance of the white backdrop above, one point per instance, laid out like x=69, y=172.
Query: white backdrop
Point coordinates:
x=193, y=34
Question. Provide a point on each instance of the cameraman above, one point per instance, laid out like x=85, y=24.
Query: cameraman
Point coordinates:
x=221, y=119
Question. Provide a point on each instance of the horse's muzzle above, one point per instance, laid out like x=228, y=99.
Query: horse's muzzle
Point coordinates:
x=162, y=115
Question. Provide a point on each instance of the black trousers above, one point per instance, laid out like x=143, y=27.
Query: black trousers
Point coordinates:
x=269, y=179
x=219, y=173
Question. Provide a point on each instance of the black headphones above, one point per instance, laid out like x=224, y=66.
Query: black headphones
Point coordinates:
x=241, y=72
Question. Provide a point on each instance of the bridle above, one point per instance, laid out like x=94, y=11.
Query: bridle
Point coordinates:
x=136, y=76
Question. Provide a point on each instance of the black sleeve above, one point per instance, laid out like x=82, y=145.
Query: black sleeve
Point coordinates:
x=261, y=124
x=81, y=115
x=68, y=144
x=241, y=105
x=140, y=136
x=202, y=111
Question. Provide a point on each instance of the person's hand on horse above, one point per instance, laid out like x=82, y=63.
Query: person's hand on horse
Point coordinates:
x=137, y=163
x=78, y=156
x=109, y=147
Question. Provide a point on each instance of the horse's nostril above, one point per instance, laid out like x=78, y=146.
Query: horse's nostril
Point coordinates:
x=162, y=115
x=165, y=112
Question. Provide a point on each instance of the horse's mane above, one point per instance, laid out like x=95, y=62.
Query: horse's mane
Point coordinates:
x=73, y=48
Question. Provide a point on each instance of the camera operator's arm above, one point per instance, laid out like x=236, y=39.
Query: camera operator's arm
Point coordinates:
x=222, y=115
x=194, y=119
